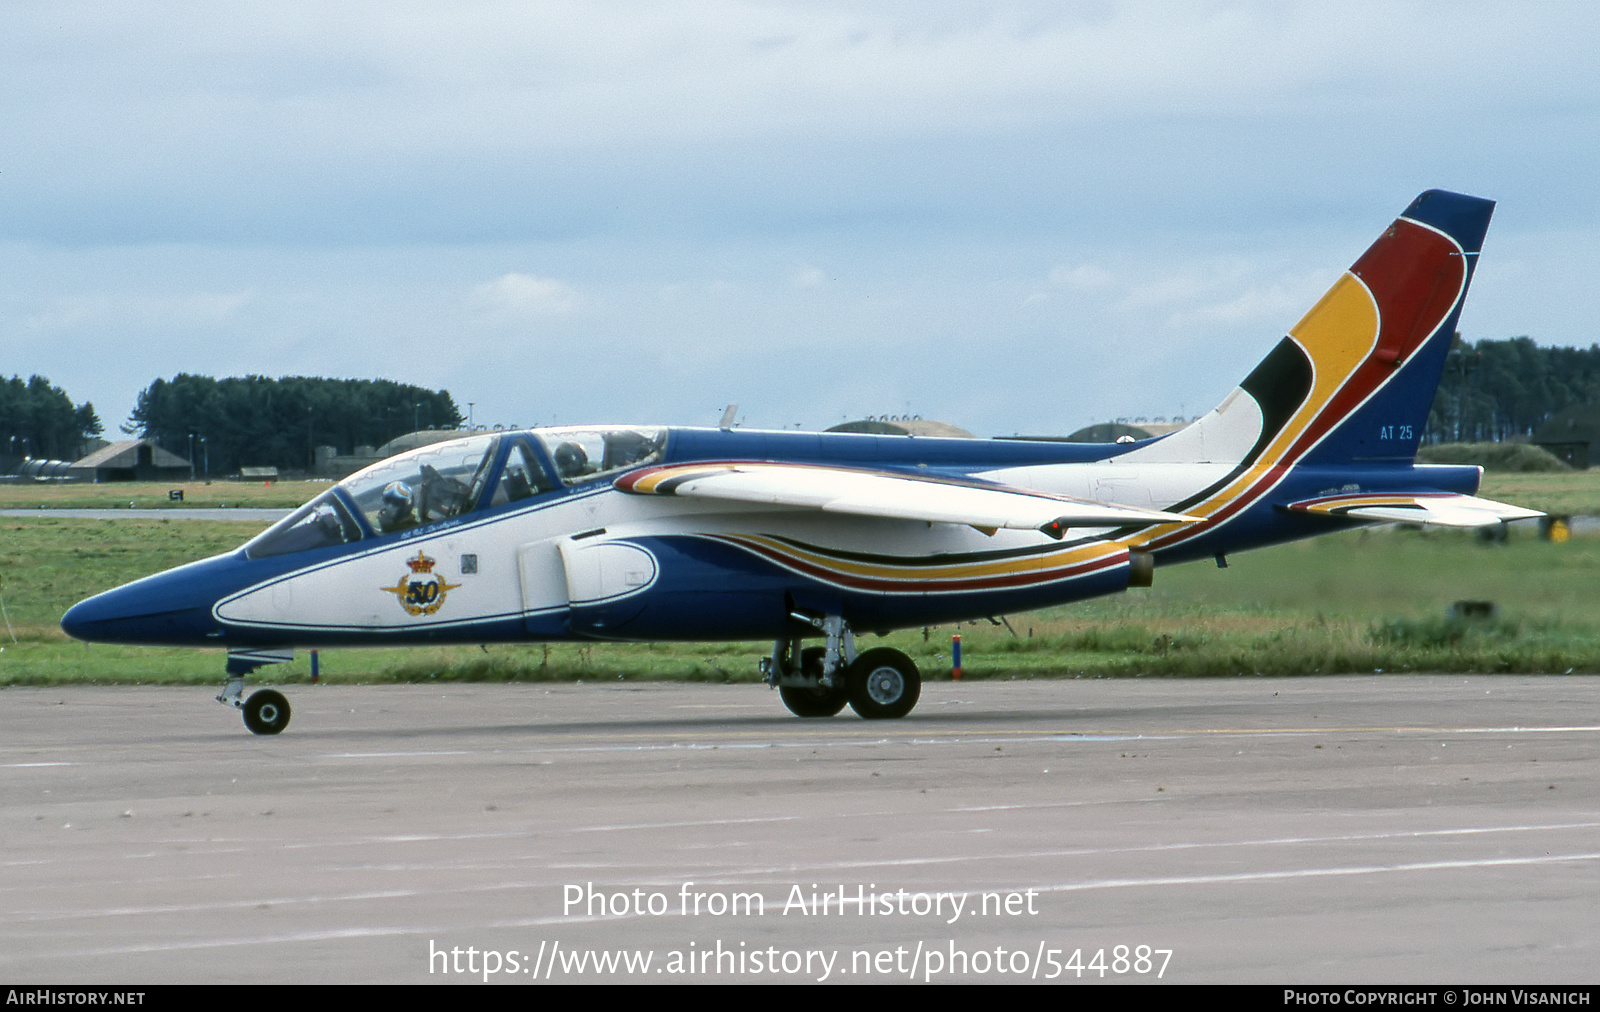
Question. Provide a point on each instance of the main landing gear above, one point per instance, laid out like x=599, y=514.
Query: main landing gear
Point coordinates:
x=266, y=711
x=878, y=684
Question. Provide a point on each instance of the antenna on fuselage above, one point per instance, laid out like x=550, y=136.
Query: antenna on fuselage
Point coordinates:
x=728, y=414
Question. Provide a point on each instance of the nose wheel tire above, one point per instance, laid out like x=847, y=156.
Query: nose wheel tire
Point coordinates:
x=266, y=712
x=884, y=684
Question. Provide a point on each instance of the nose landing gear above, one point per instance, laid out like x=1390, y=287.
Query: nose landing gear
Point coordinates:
x=266, y=711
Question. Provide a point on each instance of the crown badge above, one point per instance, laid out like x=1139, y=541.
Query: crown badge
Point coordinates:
x=421, y=591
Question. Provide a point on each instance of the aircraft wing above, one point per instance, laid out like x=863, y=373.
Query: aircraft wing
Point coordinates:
x=1442, y=509
x=883, y=494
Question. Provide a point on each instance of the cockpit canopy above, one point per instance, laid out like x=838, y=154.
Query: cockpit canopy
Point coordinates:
x=458, y=477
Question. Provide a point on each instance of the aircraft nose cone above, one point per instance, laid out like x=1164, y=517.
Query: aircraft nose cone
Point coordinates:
x=168, y=609
x=133, y=614
x=83, y=619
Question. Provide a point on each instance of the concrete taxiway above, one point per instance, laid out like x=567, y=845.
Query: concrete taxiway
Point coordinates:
x=1355, y=829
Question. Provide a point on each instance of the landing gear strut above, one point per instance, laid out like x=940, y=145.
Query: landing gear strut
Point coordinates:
x=879, y=684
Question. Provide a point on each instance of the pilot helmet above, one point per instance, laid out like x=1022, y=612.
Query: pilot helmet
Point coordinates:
x=570, y=459
x=398, y=494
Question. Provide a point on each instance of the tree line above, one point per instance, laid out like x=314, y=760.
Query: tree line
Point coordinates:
x=248, y=421
x=1491, y=390
x=38, y=419
x=1494, y=390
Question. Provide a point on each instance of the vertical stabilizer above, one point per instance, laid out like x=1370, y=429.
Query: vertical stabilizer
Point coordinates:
x=1379, y=338
x=1355, y=378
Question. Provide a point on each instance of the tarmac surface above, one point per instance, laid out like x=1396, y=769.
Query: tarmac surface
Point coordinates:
x=1427, y=829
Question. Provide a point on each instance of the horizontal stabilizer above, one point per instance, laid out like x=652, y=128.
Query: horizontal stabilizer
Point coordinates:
x=1440, y=509
x=892, y=496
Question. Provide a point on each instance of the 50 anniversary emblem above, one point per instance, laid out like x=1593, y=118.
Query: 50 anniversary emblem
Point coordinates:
x=421, y=591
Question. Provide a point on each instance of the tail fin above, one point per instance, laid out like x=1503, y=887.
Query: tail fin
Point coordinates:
x=1379, y=339
x=1355, y=378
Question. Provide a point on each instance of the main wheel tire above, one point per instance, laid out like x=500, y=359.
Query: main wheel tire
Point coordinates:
x=266, y=712
x=805, y=701
x=884, y=684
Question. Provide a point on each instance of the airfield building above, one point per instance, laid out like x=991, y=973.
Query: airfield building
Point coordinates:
x=897, y=426
x=1572, y=435
x=130, y=460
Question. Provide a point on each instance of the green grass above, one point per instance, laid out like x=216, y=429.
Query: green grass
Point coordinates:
x=1572, y=493
x=1353, y=602
x=153, y=495
x=1495, y=457
x=1525, y=475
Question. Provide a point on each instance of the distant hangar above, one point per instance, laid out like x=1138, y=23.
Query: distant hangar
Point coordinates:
x=130, y=460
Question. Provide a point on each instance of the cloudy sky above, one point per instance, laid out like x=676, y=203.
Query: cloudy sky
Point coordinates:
x=1014, y=217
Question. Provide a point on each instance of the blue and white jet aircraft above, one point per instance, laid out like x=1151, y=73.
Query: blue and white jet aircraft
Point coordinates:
x=637, y=532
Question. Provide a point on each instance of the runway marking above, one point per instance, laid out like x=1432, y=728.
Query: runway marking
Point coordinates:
x=308, y=936
x=396, y=755
x=740, y=739
x=1276, y=841
x=884, y=735
x=217, y=845
x=326, y=935
x=672, y=825
x=847, y=738
x=526, y=833
x=405, y=838
x=991, y=856
x=1051, y=804
x=552, y=832
x=188, y=908
x=1266, y=876
x=1393, y=730
x=712, y=875
x=1066, y=887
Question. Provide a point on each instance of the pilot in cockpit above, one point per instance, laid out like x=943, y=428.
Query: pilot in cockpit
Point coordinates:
x=431, y=496
x=571, y=460
x=398, y=507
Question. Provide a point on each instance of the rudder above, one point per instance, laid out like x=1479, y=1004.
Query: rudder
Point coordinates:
x=1353, y=381
x=1355, y=378
x=1376, y=343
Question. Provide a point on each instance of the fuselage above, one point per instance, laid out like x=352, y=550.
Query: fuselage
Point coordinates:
x=530, y=535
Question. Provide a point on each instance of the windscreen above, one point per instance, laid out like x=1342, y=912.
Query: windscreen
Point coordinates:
x=319, y=523
x=425, y=485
